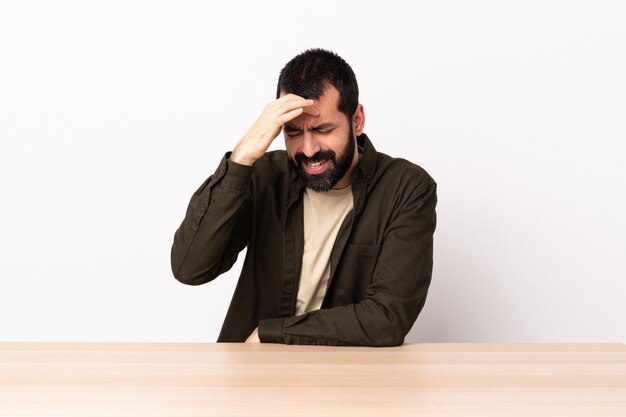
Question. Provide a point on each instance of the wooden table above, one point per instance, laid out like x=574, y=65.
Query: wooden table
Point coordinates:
x=112, y=379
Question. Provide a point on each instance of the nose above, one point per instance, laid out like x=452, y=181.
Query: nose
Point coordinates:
x=310, y=146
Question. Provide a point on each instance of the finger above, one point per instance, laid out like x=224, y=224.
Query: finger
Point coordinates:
x=291, y=100
x=286, y=107
x=290, y=96
x=310, y=110
x=290, y=115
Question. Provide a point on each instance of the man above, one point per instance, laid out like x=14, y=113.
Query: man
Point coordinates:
x=339, y=236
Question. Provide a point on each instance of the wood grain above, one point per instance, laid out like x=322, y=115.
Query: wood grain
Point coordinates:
x=148, y=379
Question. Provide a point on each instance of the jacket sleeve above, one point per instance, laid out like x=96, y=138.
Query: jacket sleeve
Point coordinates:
x=216, y=225
x=393, y=299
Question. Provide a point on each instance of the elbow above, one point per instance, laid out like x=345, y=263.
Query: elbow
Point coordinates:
x=389, y=326
x=191, y=276
x=389, y=338
x=189, y=273
x=190, y=279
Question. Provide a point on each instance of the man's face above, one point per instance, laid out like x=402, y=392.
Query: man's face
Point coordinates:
x=321, y=144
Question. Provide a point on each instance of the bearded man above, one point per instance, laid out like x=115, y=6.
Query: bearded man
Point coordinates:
x=339, y=236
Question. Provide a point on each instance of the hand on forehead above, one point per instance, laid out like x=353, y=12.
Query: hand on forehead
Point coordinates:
x=312, y=110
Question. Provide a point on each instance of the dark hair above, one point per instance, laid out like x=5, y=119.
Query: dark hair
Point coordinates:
x=310, y=72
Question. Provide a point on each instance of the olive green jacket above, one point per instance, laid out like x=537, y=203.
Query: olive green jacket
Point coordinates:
x=380, y=266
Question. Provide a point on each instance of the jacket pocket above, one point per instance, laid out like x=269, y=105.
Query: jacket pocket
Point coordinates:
x=354, y=274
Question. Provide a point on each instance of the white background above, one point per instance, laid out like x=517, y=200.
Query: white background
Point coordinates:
x=113, y=113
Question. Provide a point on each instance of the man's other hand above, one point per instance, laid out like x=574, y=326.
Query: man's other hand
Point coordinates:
x=254, y=337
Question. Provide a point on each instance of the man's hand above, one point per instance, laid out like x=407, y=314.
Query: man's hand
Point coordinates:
x=260, y=136
x=254, y=337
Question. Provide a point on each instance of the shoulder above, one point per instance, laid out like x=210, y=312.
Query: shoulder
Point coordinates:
x=391, y=173
x=399, y=173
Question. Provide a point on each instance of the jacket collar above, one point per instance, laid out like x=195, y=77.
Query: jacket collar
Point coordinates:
x=367, y=166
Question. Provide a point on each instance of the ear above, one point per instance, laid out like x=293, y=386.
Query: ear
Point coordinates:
x=358, y=120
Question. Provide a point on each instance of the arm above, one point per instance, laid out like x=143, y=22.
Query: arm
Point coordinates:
x=394, y=298
x=216, y=226
x=218, y=219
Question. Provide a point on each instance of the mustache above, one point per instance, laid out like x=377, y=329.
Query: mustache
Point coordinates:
x=319, y=156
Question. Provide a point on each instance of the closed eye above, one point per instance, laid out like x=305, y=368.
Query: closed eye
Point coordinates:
x=293, y=133
x=322, y=129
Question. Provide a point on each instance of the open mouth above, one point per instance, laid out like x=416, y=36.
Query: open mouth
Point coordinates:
x=316, y=167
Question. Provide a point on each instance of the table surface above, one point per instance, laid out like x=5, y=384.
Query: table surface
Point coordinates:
x=151, y=379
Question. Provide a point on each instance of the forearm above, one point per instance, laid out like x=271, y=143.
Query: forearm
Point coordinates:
x=339, y=326
x=215, y=227
x=383, y=319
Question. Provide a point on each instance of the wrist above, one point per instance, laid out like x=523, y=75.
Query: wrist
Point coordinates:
x=240, y=158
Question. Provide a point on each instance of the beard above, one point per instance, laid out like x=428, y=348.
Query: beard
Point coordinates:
x=326, y=180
